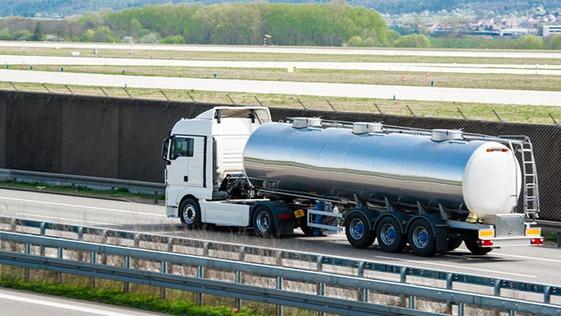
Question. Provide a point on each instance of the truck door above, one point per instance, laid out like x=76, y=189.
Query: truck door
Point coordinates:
x=187, y=156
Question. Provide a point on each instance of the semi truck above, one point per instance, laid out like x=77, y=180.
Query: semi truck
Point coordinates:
x=429, y=190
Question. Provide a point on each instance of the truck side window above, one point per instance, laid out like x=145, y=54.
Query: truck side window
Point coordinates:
x=181, y=147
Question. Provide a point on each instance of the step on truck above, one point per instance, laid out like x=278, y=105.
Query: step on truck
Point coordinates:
x=430, y=190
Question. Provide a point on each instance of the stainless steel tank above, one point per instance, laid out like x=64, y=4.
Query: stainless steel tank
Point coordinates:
x=305, y=158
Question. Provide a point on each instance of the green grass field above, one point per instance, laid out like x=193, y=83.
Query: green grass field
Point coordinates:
x=452, y=80
x=269, y=56
x=509, y=113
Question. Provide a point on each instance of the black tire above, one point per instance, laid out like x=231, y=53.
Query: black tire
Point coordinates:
x=421, y=238
x=454, y=243
x=263, y=223
x=309, y=231
x=190, y=213
x=390, y=235
x=474, y=248
x=358, y=232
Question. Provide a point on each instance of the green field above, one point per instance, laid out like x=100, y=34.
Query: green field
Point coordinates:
x=509, y=113
x=119, y=53
x=451, y=80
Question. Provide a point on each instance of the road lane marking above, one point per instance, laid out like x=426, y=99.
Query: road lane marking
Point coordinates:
x=525, y=257
x=83, y=206
x=82, y=222
x=67, y=306
x=456, y=266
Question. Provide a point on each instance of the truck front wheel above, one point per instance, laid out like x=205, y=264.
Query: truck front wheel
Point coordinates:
x=190, y=213
x=358, y=233
x=263, y=223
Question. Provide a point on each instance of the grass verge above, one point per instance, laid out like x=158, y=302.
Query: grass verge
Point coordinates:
x=115, y=297
x=400, y=78
x=118, y=193
x=135, y=53
x=490, y=112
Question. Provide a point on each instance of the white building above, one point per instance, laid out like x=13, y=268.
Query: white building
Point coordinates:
x=551, y=30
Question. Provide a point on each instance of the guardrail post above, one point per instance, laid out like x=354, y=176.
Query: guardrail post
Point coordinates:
x=27, y=250
x=169, y=249
x=362, y=293
x=60, y=255
x=127, y=265
x=403, y=279
x=164, y=270
x=411, y=302
x=497, y=288
x=93, y=260
x=279, y=287
x=238, y=280
x=80, y=237
x=279, y=258
x=200, y=275
x=42, y=232
x=205, y=248
x=547, y=295
x=156, y=197
x=104, y=241
x=460, y=309
x=449, y=286
x=13, y=225
x=136, y=244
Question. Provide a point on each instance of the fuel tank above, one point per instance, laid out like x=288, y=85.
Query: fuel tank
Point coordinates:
x=371, y=163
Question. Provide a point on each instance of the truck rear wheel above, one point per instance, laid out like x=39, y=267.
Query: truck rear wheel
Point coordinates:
x=390, y=236
x=454, y=243
x=190, y=213
x=263, y=223
x=473, y=246
x=421, y=238
x=358, y=232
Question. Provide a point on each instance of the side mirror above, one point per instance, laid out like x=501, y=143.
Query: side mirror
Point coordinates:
x=165, y=150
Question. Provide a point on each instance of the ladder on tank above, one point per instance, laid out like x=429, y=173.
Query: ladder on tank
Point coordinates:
x=530, y=194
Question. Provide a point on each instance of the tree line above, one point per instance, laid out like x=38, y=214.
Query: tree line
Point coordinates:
x=329, y=24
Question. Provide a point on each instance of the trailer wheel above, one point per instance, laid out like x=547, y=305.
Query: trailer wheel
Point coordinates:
x=190, y=213
x=390, y=236
x=263, y=223
x=358, y=233
x=454, y=243
x=474, y=248
x=421, y=238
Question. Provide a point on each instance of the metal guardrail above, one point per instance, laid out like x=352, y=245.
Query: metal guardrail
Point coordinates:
x=279, y=295
x=552, y=227
x=83, y=181
x=302, y=261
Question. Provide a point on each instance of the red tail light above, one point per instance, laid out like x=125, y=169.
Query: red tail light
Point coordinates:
x=486, y=243
x=284, y=216
x=536, y=241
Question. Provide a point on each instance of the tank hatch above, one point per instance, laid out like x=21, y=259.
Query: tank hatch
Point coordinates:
x=439, y=135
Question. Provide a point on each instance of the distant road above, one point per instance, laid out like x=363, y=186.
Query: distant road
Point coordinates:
x=531, y=264
x=490, y=96
x=297, y=50
x=14, y=302
x=552, y=70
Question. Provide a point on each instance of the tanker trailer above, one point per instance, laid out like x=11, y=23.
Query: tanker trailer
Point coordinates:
x=429, y=189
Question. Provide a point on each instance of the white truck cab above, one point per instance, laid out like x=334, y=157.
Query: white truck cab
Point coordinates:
x=205, y=181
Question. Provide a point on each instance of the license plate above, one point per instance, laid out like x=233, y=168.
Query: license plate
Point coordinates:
x=299, y=213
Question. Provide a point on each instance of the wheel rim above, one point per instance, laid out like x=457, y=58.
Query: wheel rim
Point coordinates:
x=189, y=214
x=420, y=237
x=388, y=234
x=263, y=221
x=356, y=228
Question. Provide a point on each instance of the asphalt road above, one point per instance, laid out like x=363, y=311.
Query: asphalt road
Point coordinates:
x=485, y=96
x=13, y=302
x=551, y=70
x=521, y=263
x=296, y=50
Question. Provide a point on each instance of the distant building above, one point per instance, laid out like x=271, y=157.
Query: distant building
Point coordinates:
x=551, y=30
